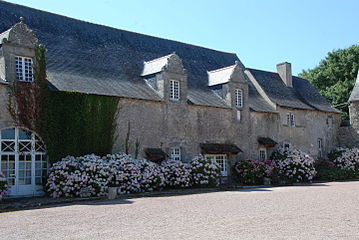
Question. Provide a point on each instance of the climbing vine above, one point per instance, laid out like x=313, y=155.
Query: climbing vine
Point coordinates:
x=70, y=123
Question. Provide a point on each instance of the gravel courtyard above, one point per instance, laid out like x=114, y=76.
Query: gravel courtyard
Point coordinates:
x=320, y=211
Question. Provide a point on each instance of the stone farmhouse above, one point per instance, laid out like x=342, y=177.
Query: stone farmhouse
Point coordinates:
x=181, y=99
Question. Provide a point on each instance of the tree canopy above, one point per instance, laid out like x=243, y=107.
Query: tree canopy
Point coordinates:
x=335, y=75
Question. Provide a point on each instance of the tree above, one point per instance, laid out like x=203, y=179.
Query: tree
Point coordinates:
x=335, y=76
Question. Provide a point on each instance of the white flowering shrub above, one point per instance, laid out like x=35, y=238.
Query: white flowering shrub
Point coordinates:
x=293, y=164
x=152, y=177
x=204, y=172
x=124, y=173
x=92, y=175
x=4, y=187
x=346, y=159
x=177, y=174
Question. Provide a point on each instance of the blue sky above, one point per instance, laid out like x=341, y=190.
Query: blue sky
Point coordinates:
x=261, y=32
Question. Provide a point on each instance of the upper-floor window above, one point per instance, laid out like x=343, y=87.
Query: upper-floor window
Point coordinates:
x=176, y=153
x=290, y=119
x=24, y=71
x=174, y=90
x=238, y=97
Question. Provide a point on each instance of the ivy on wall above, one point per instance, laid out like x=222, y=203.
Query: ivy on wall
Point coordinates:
x=79, y=123
x=70, y=123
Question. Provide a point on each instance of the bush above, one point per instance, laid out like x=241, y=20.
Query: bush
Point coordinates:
x=91, y=175
x=4, y=187
x=204, y=172
x=293, y=164
x=347, y=159
x=253, y=171
x=342, y=164
x=177, y=174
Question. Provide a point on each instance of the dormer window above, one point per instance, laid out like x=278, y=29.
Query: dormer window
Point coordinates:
x=174, y=90
x=24, y=71
x=238, y=97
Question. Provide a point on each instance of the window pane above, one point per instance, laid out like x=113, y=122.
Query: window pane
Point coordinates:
x=24, y=134
x=8, y=133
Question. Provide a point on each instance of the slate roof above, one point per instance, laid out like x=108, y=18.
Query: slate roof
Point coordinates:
x=219, y=148
x=354, y=96
x=101, y=60
x=301, y=96
x=267, y=141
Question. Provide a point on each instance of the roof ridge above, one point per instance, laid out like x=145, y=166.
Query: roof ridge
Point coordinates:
x=118, y=29
x=256, y=69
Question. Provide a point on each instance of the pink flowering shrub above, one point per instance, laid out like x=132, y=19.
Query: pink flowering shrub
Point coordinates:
x=254, y=171
x=92, y=175
x=177, y=174
x=293, y=164
x=4, y=187
x=204, y=172
x=347, y=159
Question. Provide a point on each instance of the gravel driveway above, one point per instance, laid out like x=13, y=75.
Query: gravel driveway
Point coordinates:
x=320, y=211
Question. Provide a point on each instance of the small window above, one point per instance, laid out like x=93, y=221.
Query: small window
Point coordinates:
x=290, y=119
x=174, y=90
x=286, y=146
x=238, y=94
x=24, y=71
x=320, y=147
x=176, y=153
x=262, y=154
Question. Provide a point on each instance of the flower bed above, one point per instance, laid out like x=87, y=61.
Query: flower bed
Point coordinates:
x=4, y=187
x=91, y=175
x=293, y=164
x=254, y=171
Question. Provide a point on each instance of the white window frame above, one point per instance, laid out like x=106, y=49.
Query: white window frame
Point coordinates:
x=291, y=120
x=238, y=98
x=174, y=90
x=176, y=153
x=24, y=73
x=216, y=158
x=262, y=154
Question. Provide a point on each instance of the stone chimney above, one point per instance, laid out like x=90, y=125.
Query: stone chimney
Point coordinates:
x=285, y=72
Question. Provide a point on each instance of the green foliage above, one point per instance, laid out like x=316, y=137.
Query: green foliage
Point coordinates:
x=79, y=124
x=335, y=76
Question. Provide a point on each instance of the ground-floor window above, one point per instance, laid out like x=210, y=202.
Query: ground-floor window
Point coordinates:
x=221, y=160
x=23, y=160
x=176, y=153
x=262, y=154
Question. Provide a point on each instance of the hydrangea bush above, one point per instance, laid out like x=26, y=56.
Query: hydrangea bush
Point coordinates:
x=4, y=187
x=346, y=158
x=293, y=164
x=92, y=175
x=204, y=172
x=177, y=174
x=254, y=171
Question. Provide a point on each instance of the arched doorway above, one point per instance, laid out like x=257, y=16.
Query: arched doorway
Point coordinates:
x=23, y=161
